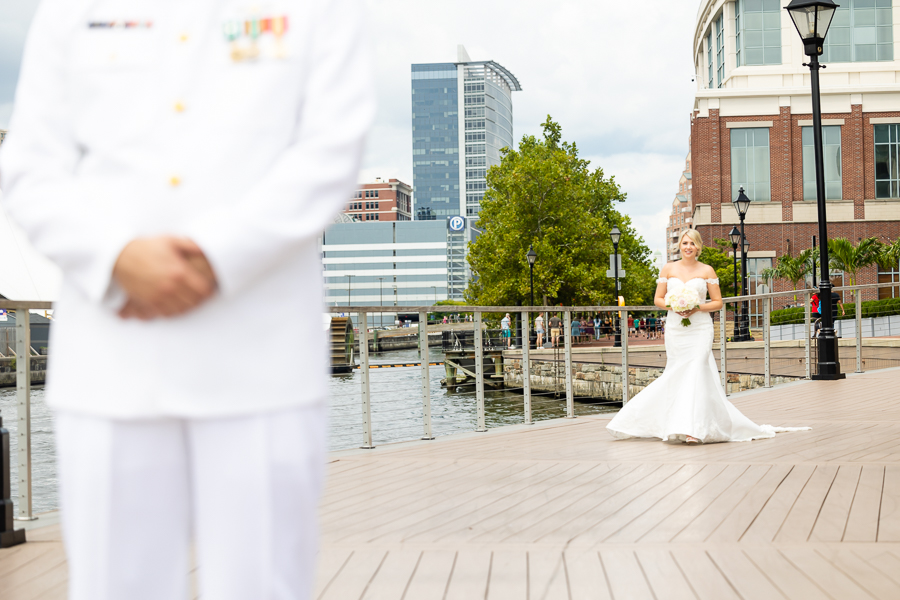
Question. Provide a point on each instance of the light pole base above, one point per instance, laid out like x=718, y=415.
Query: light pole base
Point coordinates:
x=828, y=376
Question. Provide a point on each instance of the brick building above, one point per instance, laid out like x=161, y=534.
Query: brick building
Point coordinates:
x=389, y=200
x=682, y=209
x=751, y=127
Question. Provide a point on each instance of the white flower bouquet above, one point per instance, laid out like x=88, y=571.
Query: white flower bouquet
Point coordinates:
x=683, y=300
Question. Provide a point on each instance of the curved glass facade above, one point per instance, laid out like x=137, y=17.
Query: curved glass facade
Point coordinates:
x=460, y=112
x=435, y=124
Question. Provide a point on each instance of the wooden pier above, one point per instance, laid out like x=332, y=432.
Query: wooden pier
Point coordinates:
x=559, y=510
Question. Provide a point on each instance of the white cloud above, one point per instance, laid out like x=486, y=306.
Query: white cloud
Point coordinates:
x=650, y=180
x=615, y=75
x=617, y=79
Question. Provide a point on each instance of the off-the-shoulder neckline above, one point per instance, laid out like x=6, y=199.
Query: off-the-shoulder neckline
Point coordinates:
x=706, y=279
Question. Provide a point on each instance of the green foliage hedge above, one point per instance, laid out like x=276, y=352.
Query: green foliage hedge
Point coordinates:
x=872, y=308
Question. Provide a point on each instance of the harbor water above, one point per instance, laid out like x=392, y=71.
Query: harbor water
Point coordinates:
x=396, y=405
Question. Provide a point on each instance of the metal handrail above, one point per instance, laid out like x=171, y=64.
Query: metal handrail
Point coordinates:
x=23, y=366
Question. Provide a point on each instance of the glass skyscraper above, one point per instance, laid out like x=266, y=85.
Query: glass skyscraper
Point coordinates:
x=461, y=117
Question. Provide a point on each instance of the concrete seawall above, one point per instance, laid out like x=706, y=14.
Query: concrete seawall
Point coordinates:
x=591, y=380
x=8, y=371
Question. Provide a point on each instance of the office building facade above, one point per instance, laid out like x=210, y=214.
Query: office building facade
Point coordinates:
x=752, y=127
x=403, y=263
x=462, y=116
x=389, y=200
x=682, y=208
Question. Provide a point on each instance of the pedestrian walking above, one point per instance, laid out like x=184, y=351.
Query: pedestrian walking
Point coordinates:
x=554, y=330
x=505, y=331
x=539, y=329
x=179, y=162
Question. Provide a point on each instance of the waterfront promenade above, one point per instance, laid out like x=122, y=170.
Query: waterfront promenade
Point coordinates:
x=560, y=510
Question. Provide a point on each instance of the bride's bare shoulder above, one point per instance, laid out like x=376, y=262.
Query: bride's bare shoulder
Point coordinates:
x=709, y=272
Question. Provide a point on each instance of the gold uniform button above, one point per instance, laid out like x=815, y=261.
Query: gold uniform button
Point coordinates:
x=179, y=107
x=174, y=181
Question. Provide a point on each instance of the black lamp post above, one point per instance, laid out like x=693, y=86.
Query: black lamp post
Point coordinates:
x=615, y=235
x=745, y=251
x=531, y=256
x=742, y=205
x=735, y=236
x=812, y=19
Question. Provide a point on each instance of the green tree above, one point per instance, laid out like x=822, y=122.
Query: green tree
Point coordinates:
x=844, y=256
x=889, y=256
x=544, y=196
x=791, y=268
x=717, y=257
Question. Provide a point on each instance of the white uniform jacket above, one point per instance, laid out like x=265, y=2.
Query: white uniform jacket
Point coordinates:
x=238, y=125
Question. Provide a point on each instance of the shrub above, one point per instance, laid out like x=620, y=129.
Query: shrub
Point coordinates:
x=871, y=308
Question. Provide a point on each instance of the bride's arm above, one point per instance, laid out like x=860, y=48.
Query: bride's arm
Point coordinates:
x=715, y=298
x=659, y=299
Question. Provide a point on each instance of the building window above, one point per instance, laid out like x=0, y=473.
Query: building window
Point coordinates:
x=889, y=275
x=758, y=32
x=887, y=161
x=737, y=33
x=831, y=148
x=860, y=31
x=750, y=163
x=709, y=58
x=720, y=50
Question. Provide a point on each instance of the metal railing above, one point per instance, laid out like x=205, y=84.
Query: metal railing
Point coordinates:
x=24, y=498
x=780, y=351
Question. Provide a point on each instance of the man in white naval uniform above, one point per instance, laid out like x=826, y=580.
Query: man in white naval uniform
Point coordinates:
x=178, y=160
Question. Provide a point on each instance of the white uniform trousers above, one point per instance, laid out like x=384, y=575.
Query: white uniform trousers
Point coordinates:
x=134, y=491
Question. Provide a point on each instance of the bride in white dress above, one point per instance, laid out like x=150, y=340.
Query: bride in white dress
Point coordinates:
x=687, y=402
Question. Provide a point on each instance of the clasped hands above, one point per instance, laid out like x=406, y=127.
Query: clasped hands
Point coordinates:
x=686, y=313
x=163, y=276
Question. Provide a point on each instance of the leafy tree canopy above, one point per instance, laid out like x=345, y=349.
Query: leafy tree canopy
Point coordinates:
x=544, y=196
x=718, y=258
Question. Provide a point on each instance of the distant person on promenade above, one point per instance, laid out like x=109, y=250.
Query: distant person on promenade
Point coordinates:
x=554, y=330
x=505, y=331
x=597, y=325
x=539, y=329
x=179, y=161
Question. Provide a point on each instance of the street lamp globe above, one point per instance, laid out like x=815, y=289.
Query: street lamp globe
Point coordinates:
x=746, y=247
x=735, y=236
x=615, y=235
x=531, y=256
x=812, y=19
x=741, y=204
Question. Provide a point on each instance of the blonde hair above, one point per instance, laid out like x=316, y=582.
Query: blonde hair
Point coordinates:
x=694, y=236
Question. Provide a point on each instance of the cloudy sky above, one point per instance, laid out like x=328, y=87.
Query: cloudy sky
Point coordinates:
x=616, y=75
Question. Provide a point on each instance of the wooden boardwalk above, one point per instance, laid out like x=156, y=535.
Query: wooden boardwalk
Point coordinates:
x=559, y=510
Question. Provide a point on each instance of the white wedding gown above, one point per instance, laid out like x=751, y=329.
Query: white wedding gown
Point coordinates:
x=688, y=399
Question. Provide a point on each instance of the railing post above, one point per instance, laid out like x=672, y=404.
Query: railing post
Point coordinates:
x=807, y=317
x=723, y=354
x=767, y=341
x=364, y=378
x=526, y=366
x=567, y=333
x=479, y=374
x=623, y=324
x=859, y=331
x=23, y=401
x=426, y=377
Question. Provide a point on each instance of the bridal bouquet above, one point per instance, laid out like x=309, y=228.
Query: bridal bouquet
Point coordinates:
x=683, y=300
